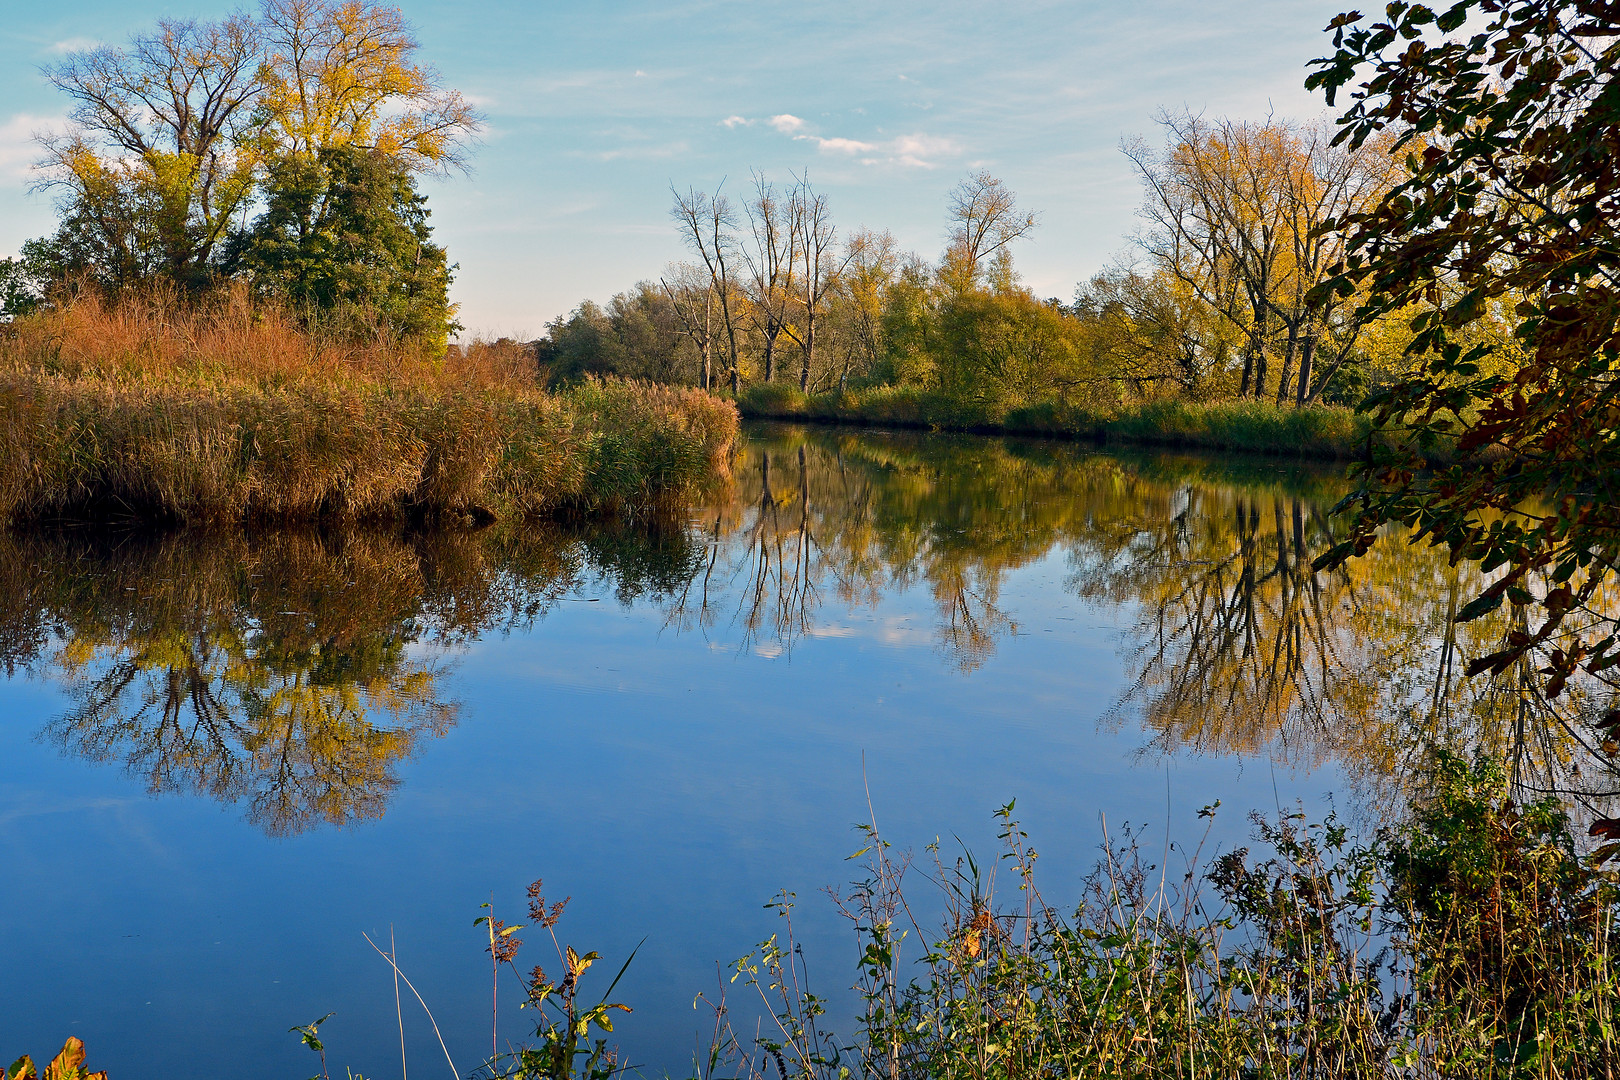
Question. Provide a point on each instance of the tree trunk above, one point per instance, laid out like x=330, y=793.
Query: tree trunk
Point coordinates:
x=1288, y=363
x=1305, y=354
x=809, y=350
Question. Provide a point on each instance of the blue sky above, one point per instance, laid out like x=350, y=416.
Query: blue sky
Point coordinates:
x=594, y=109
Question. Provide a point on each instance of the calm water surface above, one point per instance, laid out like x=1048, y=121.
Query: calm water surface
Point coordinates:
x=225, y=758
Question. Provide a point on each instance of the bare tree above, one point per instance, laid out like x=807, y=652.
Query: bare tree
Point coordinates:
x=817, y=235
x=692, y=294
x=772, y=262
x=709, y=225
x=985, y=218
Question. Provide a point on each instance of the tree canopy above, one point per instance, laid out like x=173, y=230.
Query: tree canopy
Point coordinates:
x=315, y=112
x=346, y=233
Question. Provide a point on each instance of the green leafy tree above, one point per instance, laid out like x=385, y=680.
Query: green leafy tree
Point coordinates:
x=1509, y=114
x=1001, y=350
x=345, y=236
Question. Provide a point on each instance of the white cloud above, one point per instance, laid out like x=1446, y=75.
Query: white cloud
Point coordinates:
x=73, y=44
x=18, y=150
x=916, y=151
x=840, y=146
x=922, y=150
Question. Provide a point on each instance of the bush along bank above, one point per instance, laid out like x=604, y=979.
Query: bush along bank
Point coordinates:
x=1322, y=431
x=147, y=410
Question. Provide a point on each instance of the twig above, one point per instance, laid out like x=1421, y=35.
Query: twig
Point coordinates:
x=398, y=1015
x=454, y=1072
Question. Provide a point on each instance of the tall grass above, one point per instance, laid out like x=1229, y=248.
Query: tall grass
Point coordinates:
x=1473, y=941
x=1257, y=426
x=151, y=408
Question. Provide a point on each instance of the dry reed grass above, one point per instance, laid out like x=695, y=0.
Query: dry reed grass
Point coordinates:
x=147, y=407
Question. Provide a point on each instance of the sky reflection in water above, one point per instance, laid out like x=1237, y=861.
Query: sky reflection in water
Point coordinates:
x=226, y=756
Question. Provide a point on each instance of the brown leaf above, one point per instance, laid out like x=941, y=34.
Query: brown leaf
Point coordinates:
x=69, y=1064
x=1608, y=828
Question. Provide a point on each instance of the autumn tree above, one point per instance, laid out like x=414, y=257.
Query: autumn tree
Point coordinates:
x=997, y=350
x=872, y=261
x=985, y=218
x=1236, y=211
x=343, y=73
x=176, y=135
x=1151, y=332
x=344, y=98
x=157, y=162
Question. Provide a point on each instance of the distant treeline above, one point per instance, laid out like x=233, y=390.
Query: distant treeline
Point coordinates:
x=1218, y=297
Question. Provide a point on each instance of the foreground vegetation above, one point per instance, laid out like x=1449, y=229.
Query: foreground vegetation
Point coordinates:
x=1474, y=940
x=147, y=406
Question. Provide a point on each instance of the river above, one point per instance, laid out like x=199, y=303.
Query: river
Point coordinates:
x=228, y=758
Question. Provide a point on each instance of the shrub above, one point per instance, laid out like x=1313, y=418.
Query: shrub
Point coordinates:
x=1315, y=431
x=152, y=409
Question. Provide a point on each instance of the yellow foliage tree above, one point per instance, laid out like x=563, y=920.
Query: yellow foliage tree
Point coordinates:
x=170, y=132
x=341, y=73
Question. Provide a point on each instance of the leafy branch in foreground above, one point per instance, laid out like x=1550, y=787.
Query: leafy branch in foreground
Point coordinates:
x=1503, y=248
x=1511, y=137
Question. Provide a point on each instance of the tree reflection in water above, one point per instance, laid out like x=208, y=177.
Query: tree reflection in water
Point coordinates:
x=288, y=671
x=1236, y=645
x=293, y=671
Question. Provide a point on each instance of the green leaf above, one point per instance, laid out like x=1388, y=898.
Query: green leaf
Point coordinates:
x=1480, y=605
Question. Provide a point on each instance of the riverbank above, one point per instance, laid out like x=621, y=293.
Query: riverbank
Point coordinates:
x=1321, y=432
x=148, y=410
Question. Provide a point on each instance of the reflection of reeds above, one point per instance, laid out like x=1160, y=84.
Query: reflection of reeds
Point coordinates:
x=147, y=408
